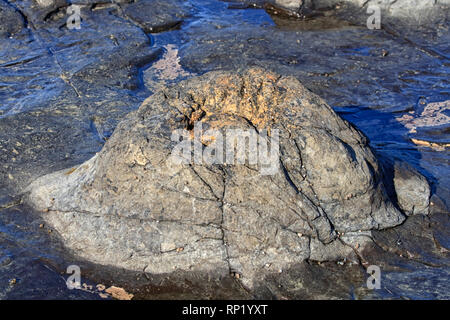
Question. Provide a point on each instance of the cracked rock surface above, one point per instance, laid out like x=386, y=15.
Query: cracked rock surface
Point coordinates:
x=63, y=92
x=323, y=201
x=412, y=189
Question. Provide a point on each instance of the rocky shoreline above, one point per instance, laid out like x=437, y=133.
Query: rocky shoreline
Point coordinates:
x=226, y=219
x=73, y=95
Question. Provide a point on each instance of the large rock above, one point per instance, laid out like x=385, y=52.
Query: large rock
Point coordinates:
x=133, y=206
x=419, y=11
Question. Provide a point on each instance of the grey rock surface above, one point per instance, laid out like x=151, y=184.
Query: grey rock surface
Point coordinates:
x=158, y=16
x=412, y=189
x=418, y=10
x=130, y=206
x=290, y=4
x=54, y=115
x=12, y=22
x=294, y=6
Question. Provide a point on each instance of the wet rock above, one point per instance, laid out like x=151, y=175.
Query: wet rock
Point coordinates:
x=312, y=281
x=420, y=10
x=45, y=126
x=151, y=15
x=132, y=206
x=289, y=6
x=417, y=11
x=412, y=189
x=11, y=22
x=39, y=12
x=156, y=16
x=70, y=89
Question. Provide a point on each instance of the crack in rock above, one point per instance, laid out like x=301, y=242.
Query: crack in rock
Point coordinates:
x=250, y=224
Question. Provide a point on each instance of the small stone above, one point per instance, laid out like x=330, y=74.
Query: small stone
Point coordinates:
x=100, y=287
x=119, y=293
x=412, y=190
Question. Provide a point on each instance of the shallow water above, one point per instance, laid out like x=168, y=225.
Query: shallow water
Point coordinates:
x=382, y=81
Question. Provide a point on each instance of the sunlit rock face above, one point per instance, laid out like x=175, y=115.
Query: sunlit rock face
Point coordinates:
x=136, y=205
x=416, y=10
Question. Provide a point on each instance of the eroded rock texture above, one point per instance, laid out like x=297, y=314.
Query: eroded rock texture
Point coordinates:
x=412, y=190
x=129, y=206
x=417, y=10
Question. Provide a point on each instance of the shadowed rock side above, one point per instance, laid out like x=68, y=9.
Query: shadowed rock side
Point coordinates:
x=130, y=206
